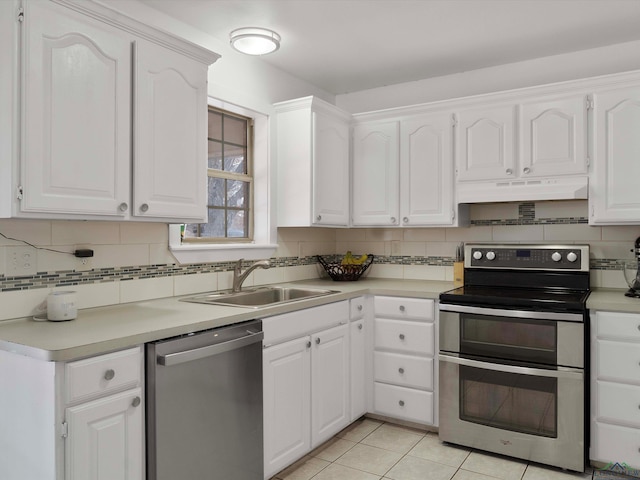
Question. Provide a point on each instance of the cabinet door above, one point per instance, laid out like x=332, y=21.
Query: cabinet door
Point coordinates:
x=485, y=143
x=554, y=137
x=613, y=192
x=106, y=439
x=329, y=383
x=358, y=369
x=426, y=168
x=76, y=104
x=170, y=127
x=330, y=170
x=375, y=174
x=287, y=403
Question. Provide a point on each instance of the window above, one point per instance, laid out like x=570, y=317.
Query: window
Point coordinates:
x=262, y=239
x=230, y=181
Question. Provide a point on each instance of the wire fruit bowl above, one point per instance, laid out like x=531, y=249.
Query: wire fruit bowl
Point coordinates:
x=344, y=273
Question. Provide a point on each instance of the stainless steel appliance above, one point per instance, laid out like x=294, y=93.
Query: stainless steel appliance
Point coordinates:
x=512, y=353
x=204, y=405
x=631, y=272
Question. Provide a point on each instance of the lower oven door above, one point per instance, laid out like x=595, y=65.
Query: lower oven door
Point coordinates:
x=524, y=412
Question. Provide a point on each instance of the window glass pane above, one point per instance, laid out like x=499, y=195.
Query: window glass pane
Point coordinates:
x=191, y=230
x=215, y=226
x=235, y=159
x=215, y=125
x=237, y=224
x=237, y=193
x=235, y=130
x=216, y=192
x=215, y=155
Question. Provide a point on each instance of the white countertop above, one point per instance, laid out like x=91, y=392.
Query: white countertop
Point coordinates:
x=103, y=329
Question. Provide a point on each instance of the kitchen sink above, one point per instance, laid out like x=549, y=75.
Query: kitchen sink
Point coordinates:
x=259, y=297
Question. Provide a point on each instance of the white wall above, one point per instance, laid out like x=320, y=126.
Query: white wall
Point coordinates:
x=622, y=57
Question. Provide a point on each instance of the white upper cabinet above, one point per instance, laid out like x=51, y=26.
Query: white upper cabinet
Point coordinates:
x=376, y=174
x=485, y=143
x=613, y=192
x=426, y=171
x=114, y=124
x=312, y=152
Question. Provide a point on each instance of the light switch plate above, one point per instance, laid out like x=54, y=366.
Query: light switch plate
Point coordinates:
x=20, y=261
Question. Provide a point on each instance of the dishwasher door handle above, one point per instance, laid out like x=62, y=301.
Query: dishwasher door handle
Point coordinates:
x=202, y=352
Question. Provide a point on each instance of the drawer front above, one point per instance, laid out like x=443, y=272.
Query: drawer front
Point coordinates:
x=409, y=308
x=403, y=403
x=404, y=336
x=403, y=370
x=616, y=444
x=618, y=403
x=618, y=361
x=104, y=374
x=625, y=326
x=357, y=307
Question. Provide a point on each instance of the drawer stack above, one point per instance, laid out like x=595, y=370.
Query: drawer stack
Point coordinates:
x=615, y=388
x=404, y=347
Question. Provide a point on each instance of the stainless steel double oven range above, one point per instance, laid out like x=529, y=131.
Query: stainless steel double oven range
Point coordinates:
x=513, y=353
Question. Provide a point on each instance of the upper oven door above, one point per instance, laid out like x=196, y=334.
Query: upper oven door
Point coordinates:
x=513, y=335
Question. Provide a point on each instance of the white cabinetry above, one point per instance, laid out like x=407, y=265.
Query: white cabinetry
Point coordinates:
x=613, y=196
x=306, y=381
x=615, y=388
x=312, y=152
x=114, y=117
x=77, y=421
x=360, y=357
x=404, y=359
x=375, y=174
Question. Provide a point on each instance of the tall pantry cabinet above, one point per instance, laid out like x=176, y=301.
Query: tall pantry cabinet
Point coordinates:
x=112, y=115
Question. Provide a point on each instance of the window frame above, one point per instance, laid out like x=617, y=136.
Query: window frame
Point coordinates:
x=264, y=243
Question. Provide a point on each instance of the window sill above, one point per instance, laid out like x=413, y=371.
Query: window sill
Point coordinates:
x=221, y=253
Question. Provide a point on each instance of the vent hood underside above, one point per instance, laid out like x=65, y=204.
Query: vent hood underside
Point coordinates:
x=571, y=188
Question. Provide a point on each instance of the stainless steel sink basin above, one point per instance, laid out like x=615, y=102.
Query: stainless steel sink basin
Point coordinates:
x=259, y=297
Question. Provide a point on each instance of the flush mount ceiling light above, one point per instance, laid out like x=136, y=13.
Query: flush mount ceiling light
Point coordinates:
x=255, y=40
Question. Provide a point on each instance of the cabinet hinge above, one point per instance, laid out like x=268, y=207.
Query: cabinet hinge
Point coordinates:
x=454, y=120
x=19, y=192
x=64, y=430
x=21, y=14
x=588, y=160
x=453, y=215
x=589, y=102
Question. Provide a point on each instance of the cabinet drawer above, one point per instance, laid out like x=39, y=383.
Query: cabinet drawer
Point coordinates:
x=625, y=326
x=100, y=375
x=357, y=307
x=618, y=361
x=403, y=403
x=619, y=403
x=404, y=336
x=410, y=308
x=615, y=444
x=403, y=370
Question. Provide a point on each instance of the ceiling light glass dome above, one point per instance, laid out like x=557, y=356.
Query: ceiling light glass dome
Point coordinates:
x=255, y=40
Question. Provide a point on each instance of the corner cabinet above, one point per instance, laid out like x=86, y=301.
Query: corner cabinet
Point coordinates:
x=613, y=191
x=312, y=151
x=73, y=421
x=114, y=118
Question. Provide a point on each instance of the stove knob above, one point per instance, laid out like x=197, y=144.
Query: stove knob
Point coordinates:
x=491, y=255
x=477, y=254
x=556, y=257
x=572, y=257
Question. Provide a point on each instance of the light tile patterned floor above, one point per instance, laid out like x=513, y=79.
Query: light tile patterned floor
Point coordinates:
x=372, y=450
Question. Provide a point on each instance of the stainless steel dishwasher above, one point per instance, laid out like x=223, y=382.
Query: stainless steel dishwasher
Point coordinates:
x=204, y=405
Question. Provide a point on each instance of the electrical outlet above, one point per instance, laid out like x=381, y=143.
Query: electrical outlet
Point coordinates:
x=21, y=261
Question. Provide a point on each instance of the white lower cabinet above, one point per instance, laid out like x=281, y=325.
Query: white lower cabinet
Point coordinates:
x=360, y=356
x=615, y=388
x=404, y=359
x=306, y=382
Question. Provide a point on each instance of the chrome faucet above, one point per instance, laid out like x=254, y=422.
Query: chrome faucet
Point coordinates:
x=238, y=277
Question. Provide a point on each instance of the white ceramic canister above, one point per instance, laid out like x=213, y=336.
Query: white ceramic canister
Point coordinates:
x=61, y=306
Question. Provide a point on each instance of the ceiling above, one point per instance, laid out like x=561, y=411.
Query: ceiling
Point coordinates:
x=344, y=46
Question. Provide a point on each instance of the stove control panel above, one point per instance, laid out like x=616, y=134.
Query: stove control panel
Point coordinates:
x=528, y=257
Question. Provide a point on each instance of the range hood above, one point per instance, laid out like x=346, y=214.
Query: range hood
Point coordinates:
x=570, y=188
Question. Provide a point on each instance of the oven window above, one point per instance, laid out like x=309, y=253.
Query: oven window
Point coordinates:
x=508, y=401
x=508, y=338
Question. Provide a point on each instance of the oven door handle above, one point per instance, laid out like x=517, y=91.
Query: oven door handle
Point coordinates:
x=502, y=312
x=561, y=372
